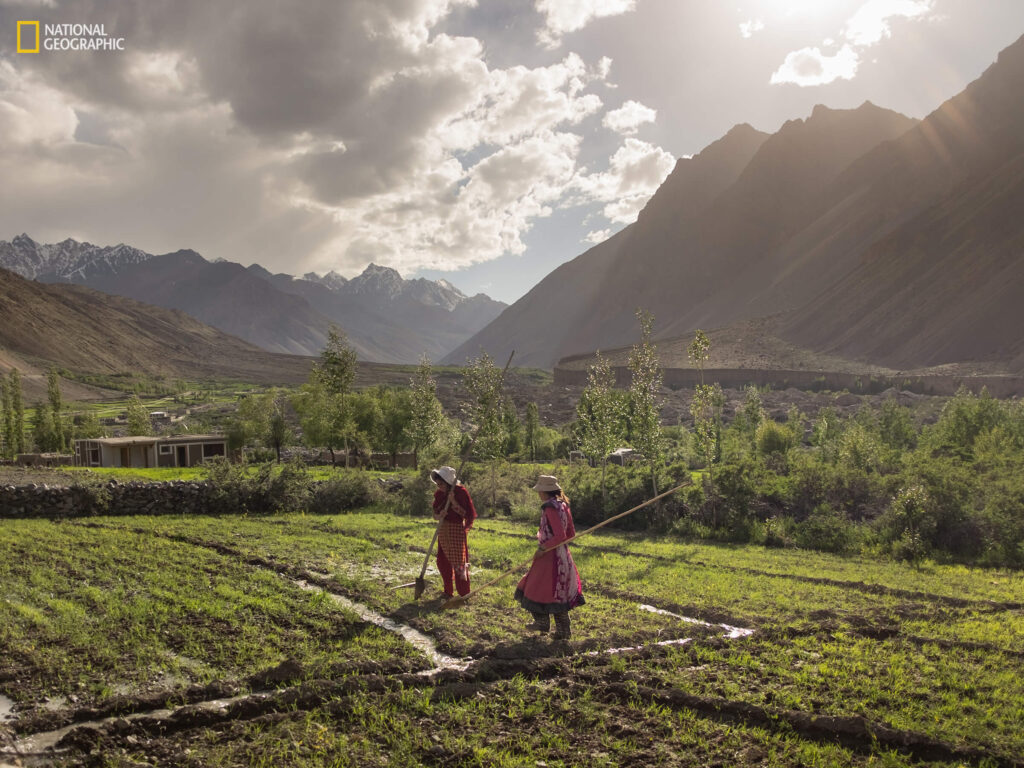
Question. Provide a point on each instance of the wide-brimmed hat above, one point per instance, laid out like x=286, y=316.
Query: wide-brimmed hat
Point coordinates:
x=443, y=473
x=547, y=483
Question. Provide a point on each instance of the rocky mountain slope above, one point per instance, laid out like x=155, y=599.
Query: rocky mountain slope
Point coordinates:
x=91, y=332
x=875, y=237
x=387, y=318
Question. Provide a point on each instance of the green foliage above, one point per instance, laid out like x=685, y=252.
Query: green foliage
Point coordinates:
x=482, y=380
x=964, y=418
x=644, y=405
x=772, y=437
x=57, y=440
x=337, y=367
x=396, y=412
x=345, y=491
x=138, y=418
x=896, y=427
x=600, y=414
x=426, y=418
x=826, y=531
x=43, y=433
x=531, y=430
x=263, y=489
x=6, y=421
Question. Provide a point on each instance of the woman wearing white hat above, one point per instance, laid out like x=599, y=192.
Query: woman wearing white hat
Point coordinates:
x=552, y=587
x=452, y=500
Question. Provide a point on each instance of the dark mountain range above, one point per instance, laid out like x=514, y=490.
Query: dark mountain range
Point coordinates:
x=386, y=318
x=876, y=237
x=92, y=332
x=944, y=282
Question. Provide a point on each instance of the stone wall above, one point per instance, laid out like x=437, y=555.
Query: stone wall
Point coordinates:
x=113, y=498
x=687, y=378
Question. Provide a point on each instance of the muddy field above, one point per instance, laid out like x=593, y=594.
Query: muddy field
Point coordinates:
x=288, y=641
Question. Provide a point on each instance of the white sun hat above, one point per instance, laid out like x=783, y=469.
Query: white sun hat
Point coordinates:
x=547, y=483
x=443, y=473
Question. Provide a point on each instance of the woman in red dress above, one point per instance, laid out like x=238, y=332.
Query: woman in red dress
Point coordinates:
x=452, y=501
x=552, y=586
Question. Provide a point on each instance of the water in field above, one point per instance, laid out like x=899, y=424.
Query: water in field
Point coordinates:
x=730, y=631
x=417, y=639
x=6, y=709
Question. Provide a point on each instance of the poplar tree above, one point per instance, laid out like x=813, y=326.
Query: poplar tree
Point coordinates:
x=426, y=417
x=7, y=416
x=644, y=400
x=336, y=372
x=705, y=407
x=482, y=379
x=531, y=429
x=17, y=412
x=56, y=408
x=600, y=414
x=138, y=418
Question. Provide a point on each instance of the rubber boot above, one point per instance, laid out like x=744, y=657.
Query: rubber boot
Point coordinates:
x=541, y=622
x=562, y=626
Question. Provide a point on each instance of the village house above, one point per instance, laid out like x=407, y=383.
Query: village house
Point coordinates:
x=172, y=451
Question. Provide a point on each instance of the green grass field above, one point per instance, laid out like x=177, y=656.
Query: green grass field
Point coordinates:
x=849, y=662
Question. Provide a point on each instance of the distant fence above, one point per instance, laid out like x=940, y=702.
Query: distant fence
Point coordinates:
x=735, y=378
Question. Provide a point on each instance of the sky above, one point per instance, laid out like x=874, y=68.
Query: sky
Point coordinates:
x=484, y=142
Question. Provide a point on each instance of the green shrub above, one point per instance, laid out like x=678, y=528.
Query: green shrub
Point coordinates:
x=348, y=490
x=825, y=530
x=772, y=437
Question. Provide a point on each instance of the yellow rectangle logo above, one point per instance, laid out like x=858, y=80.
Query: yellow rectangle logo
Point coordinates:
x=25, y=48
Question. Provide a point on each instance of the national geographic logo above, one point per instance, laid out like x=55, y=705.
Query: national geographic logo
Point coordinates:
x=65, y=37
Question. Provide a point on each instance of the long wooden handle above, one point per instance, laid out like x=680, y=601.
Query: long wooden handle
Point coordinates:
x=612, y=519
x=458, y=474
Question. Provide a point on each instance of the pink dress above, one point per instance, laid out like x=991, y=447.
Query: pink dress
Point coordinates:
x=552, y=584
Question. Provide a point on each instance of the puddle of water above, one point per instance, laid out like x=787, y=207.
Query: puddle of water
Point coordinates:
x=6, y=709
x=418, y=640
x=38, y=743
x=680, y=641
x=731, y=632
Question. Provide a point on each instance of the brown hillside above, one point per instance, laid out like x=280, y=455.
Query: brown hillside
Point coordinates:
x=91, y=332
x=944, y=284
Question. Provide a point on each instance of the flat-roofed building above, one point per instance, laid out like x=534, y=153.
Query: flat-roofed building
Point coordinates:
x=141, y=451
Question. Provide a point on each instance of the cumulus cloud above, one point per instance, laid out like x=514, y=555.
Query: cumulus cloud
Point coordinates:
x=321, y=136
x=870, y=23
x=315, y=137
x=565, y=16
x=868, y=26
x=628, y=118
x=635, y=171
x=809, y=66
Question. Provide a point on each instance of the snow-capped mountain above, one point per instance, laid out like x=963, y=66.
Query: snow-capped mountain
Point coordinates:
x=68, y=261
x=387, y=318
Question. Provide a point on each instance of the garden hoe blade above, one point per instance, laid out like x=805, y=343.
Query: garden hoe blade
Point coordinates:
x=421, y=583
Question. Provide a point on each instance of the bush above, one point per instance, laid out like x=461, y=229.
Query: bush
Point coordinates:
x=348, y=490
x=825, y=530
x=772, y=437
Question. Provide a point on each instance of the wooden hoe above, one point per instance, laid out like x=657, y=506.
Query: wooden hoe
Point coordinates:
x=455, y=602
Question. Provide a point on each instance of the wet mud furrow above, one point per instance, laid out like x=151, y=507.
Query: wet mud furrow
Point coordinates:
x=287, y=673
x=853, y=731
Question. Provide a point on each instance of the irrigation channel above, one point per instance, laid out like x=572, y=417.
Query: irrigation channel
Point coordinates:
x=34, y=749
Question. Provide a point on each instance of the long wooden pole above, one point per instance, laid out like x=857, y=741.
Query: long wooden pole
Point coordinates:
x=456, y=601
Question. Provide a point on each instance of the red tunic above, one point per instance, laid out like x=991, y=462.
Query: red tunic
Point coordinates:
x=451, y=538
x=552, y=584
